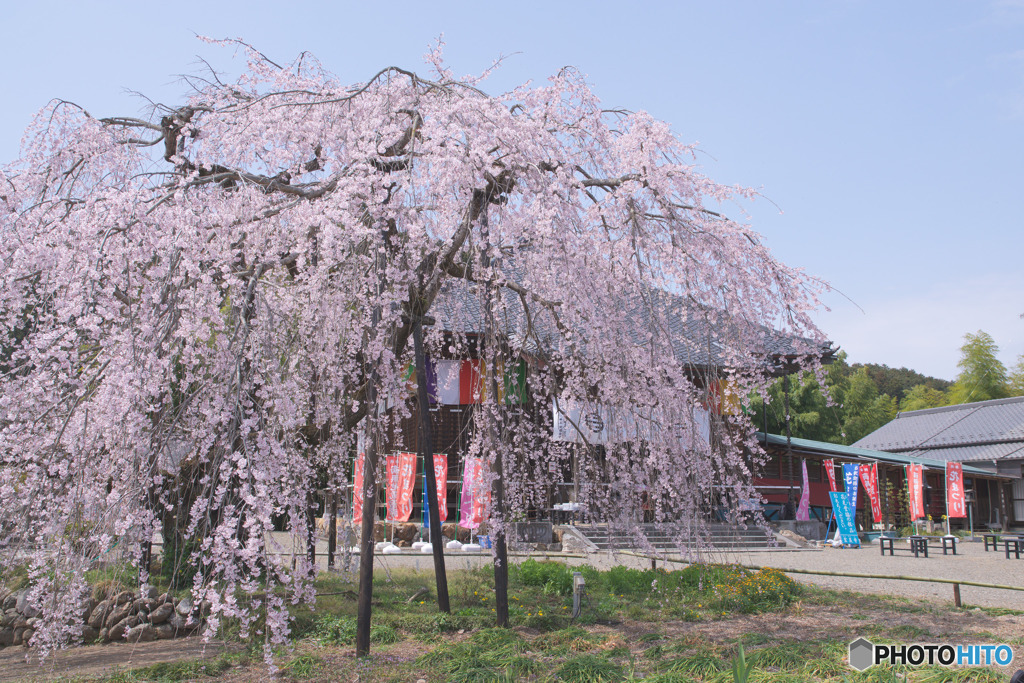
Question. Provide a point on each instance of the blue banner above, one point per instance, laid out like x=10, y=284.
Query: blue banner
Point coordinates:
x=424, y=506
x=844, y=518
x=851, y=474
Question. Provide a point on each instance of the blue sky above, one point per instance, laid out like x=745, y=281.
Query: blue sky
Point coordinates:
x=887, y=139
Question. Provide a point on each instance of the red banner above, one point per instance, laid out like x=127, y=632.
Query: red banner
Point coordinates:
x=406, y=485
x=441, y=479
x=869, y=478
x=357, y=491
x=955, y=505
x=830, y=469
x=915, y=491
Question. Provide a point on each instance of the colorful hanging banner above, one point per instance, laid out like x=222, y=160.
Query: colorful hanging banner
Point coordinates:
x=869, y=477
x=472, y=388
x=830, y=469
x=851, y=475
x=955, y=503
x=461, y=382
x=357, y=489
x=391, y=487
x=406, y=486
x=721, y=399
x=803, y=511
x=915, y=491
x=446, y=382
x=473, y=506
x=513, y=385
x=441, y=480
x=843, y=514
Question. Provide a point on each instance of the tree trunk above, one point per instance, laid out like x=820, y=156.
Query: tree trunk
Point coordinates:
x=497, y=467
x=426, y=448
x=366, y=541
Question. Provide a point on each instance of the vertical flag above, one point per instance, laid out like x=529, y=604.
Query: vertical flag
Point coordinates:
x=473, y=506
x=357, y=490
x=915, y=491
x=441, y=480
x=869, y=477
x=851, y=474
x=391, y=487
x=955, y=504
x=803, y=511
x=830, y=469
x=406, y=485
x=845, y=526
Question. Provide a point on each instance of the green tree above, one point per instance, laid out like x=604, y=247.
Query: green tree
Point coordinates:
x=1015, y=380
x=898, y=381
x=923, y=396
x=811, y=414
x=982, y=375
x=865, y=408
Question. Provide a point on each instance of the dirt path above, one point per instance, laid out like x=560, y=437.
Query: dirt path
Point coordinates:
x=99, y=660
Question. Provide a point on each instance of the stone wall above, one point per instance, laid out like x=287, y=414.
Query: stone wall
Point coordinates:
x=124, y=616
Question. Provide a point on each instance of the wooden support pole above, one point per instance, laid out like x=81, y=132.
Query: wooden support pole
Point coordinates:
x=332, y=528
x=956, y=595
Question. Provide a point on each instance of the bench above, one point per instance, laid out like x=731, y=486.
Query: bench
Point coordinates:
x=1016, y=543
x=919, y=545
x=991, y=540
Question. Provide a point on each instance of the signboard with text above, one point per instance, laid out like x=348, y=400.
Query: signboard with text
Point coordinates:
x=843, y=513
x=955, y=504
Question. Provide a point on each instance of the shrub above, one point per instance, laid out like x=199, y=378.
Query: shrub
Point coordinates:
x=552, y=577
x=624, y=581
x=761, y=591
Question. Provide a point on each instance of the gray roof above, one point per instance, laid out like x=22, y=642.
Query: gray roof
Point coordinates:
x=987, y=430
x=699, y=336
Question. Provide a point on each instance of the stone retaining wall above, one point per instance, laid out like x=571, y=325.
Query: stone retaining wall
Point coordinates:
x=124, y=616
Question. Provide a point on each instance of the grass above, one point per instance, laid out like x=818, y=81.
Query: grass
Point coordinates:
x=589, y=668
x=174, y=672
x=635, y=627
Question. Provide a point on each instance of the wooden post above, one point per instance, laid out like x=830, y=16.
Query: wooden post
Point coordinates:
x=956, y=595
x=425, y=441
x=311, y=506
x=332, y=528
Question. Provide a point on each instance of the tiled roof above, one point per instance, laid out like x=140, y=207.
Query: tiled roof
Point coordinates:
x=699, y=336
x=987, y=430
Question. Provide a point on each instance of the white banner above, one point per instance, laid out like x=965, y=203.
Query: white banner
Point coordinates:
x=574, y=420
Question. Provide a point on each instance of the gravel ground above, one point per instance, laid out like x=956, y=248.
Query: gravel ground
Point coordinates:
x=971, y=563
